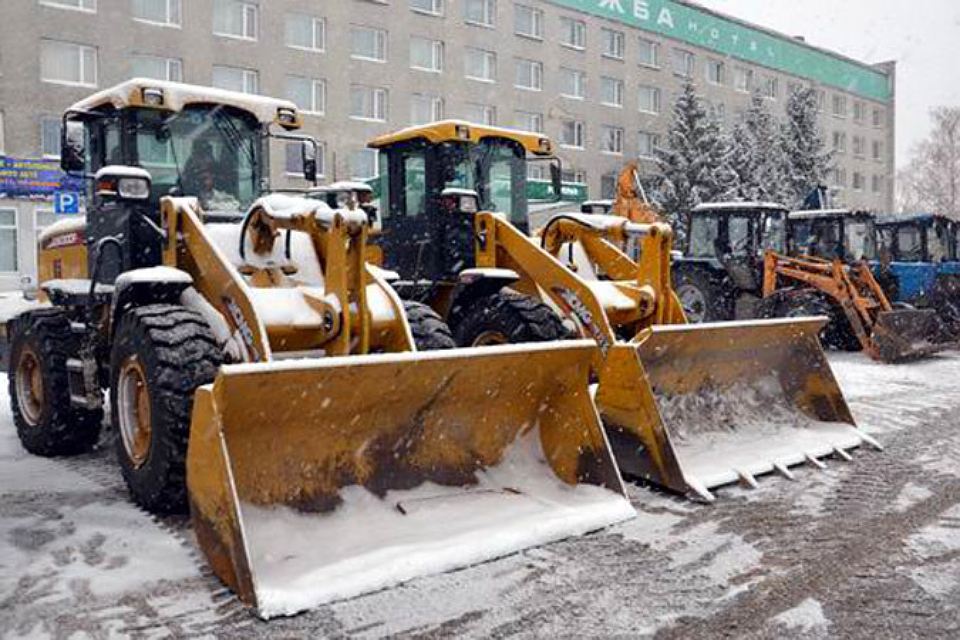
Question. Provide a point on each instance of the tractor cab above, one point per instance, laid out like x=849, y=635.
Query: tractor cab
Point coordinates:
x=435, y=177
x=922, y=237
x=829, y=234
x=145, y=139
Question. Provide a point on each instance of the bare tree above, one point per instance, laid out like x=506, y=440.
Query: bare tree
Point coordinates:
x=931, y=180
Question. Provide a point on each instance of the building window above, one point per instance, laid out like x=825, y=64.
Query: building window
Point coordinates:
x=480, y=64
x=367, y=43
x=878, y=118
x=310, y=95
x=574, y=175
x=613, y=43
x=572, y=133
x=50, y=137
x=608, y=185
x=68, y=63
x=611, y=140
x=528, y=121
x=839, y=106
x=859, y=111
x=877, y=150
x=839, y=142
x=840, y=177
x=528, y=21
x=481, y=113
x=649, y=99
x=368, y=103
x=719, y=111
x=743, y=79
x=876, y=184
x=647, y=144
x=363, y=164
x=682, y=63
x=156, y=67
x=82, y=5
x=771, y=87
x=649, y=53
x=8, y=240
x=573, y=83
x=480, y=12
x=715, y=71
x=432, y=7
x=859, y=146
x=529, y=75
x=611, y=91
x=425, y=108
x=162, y=12
x=858, y=181
x=426, y=54
x=235, y=19
x=573, y=33
x=821, y=100
x=536, y=172
x=2, y=141
x=236, y=79
x=306, y=32
x=293, y=160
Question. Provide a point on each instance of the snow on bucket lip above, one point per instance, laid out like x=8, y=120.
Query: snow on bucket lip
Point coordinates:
x=368, y=544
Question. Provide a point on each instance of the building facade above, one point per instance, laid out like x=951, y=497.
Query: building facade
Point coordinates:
x=597, y=76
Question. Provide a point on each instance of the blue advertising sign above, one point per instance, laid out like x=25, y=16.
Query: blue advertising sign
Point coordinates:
x=35, y=177
x=66, y=202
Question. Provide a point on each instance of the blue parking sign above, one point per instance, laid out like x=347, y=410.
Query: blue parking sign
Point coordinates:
x=66, y=202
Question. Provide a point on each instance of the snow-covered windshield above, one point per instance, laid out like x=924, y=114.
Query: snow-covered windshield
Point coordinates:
x=205, y=151
x=861, y=241
x=496, y=170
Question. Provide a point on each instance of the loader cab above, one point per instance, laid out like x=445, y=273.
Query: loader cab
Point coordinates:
x=435, y=177
x=722, y=255
x=183, y=141
x=829, y=234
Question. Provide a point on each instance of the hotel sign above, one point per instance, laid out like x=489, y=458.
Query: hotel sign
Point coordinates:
x=726, y=36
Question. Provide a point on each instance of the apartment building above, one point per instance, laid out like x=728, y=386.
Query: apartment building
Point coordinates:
x=598, y=76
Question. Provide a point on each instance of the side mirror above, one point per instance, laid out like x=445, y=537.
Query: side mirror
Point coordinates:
x=73, y=150
x=556, y=179
x=308, y=153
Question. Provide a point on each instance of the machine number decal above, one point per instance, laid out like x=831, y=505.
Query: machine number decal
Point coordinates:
x=575, y=305
x=246, y=333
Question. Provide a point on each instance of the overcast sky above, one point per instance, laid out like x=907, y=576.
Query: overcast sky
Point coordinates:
x=923, y=36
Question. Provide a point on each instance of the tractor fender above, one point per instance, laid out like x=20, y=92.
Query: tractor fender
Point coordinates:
x=147, y=286
x=476, y=283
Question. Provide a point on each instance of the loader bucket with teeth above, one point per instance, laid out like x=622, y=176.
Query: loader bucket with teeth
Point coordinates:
x=723, y=403
x=318, y=480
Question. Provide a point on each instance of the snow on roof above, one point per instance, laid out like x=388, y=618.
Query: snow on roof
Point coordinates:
x=177, y=95
x=825, y=213
x=343, y=185
x=898, y=218
x=279, y=205
x=72, y=224
x=739, y=206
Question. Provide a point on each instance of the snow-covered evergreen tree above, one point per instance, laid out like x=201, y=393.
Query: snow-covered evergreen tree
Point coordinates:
x=806, y=163
x=757, y=155
x=692, y=164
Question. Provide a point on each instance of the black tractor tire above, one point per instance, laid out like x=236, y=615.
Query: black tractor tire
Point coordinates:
x=702, y=300
x=430, y=332
x=48, y=425
x=837, y=333
x=508, y=317
x=175, y=352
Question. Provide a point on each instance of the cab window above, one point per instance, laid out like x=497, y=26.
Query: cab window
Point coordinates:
x=909, y=244
x=738, y=231
x=704, y=233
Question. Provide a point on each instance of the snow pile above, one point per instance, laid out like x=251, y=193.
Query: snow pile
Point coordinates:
x=806, y=617
x=300, y=560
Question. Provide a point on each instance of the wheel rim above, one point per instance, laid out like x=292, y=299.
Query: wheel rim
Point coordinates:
x=133, y=409
x=30, y=386
x=489, y=339
x=693, y=302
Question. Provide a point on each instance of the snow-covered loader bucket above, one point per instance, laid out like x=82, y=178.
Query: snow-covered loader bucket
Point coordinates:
x=730, y=401
x=318, y=480
x=908, y=334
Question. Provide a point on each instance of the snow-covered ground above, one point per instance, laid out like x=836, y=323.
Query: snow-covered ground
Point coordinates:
x=866, y=548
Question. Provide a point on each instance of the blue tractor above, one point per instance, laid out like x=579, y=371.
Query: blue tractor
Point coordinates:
x=920, y=262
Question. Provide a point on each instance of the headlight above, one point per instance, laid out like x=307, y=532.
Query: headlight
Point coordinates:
x=468, y=204
x=463, y=132
x=286, y=117
x=152, y=96
x=133, y=188
x=544, y=145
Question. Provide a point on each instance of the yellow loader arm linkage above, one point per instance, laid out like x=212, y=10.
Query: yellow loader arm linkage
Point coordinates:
x=673, y=396
x=885, y=334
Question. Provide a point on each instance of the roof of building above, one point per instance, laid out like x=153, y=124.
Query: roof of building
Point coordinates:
x=460, y=130
x=177, y=95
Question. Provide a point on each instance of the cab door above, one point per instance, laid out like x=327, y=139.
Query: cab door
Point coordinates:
x=406, y=231
x=740, y=255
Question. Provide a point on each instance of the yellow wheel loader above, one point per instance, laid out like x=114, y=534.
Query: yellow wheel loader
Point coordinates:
x=685, y=407
x=263, y=373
